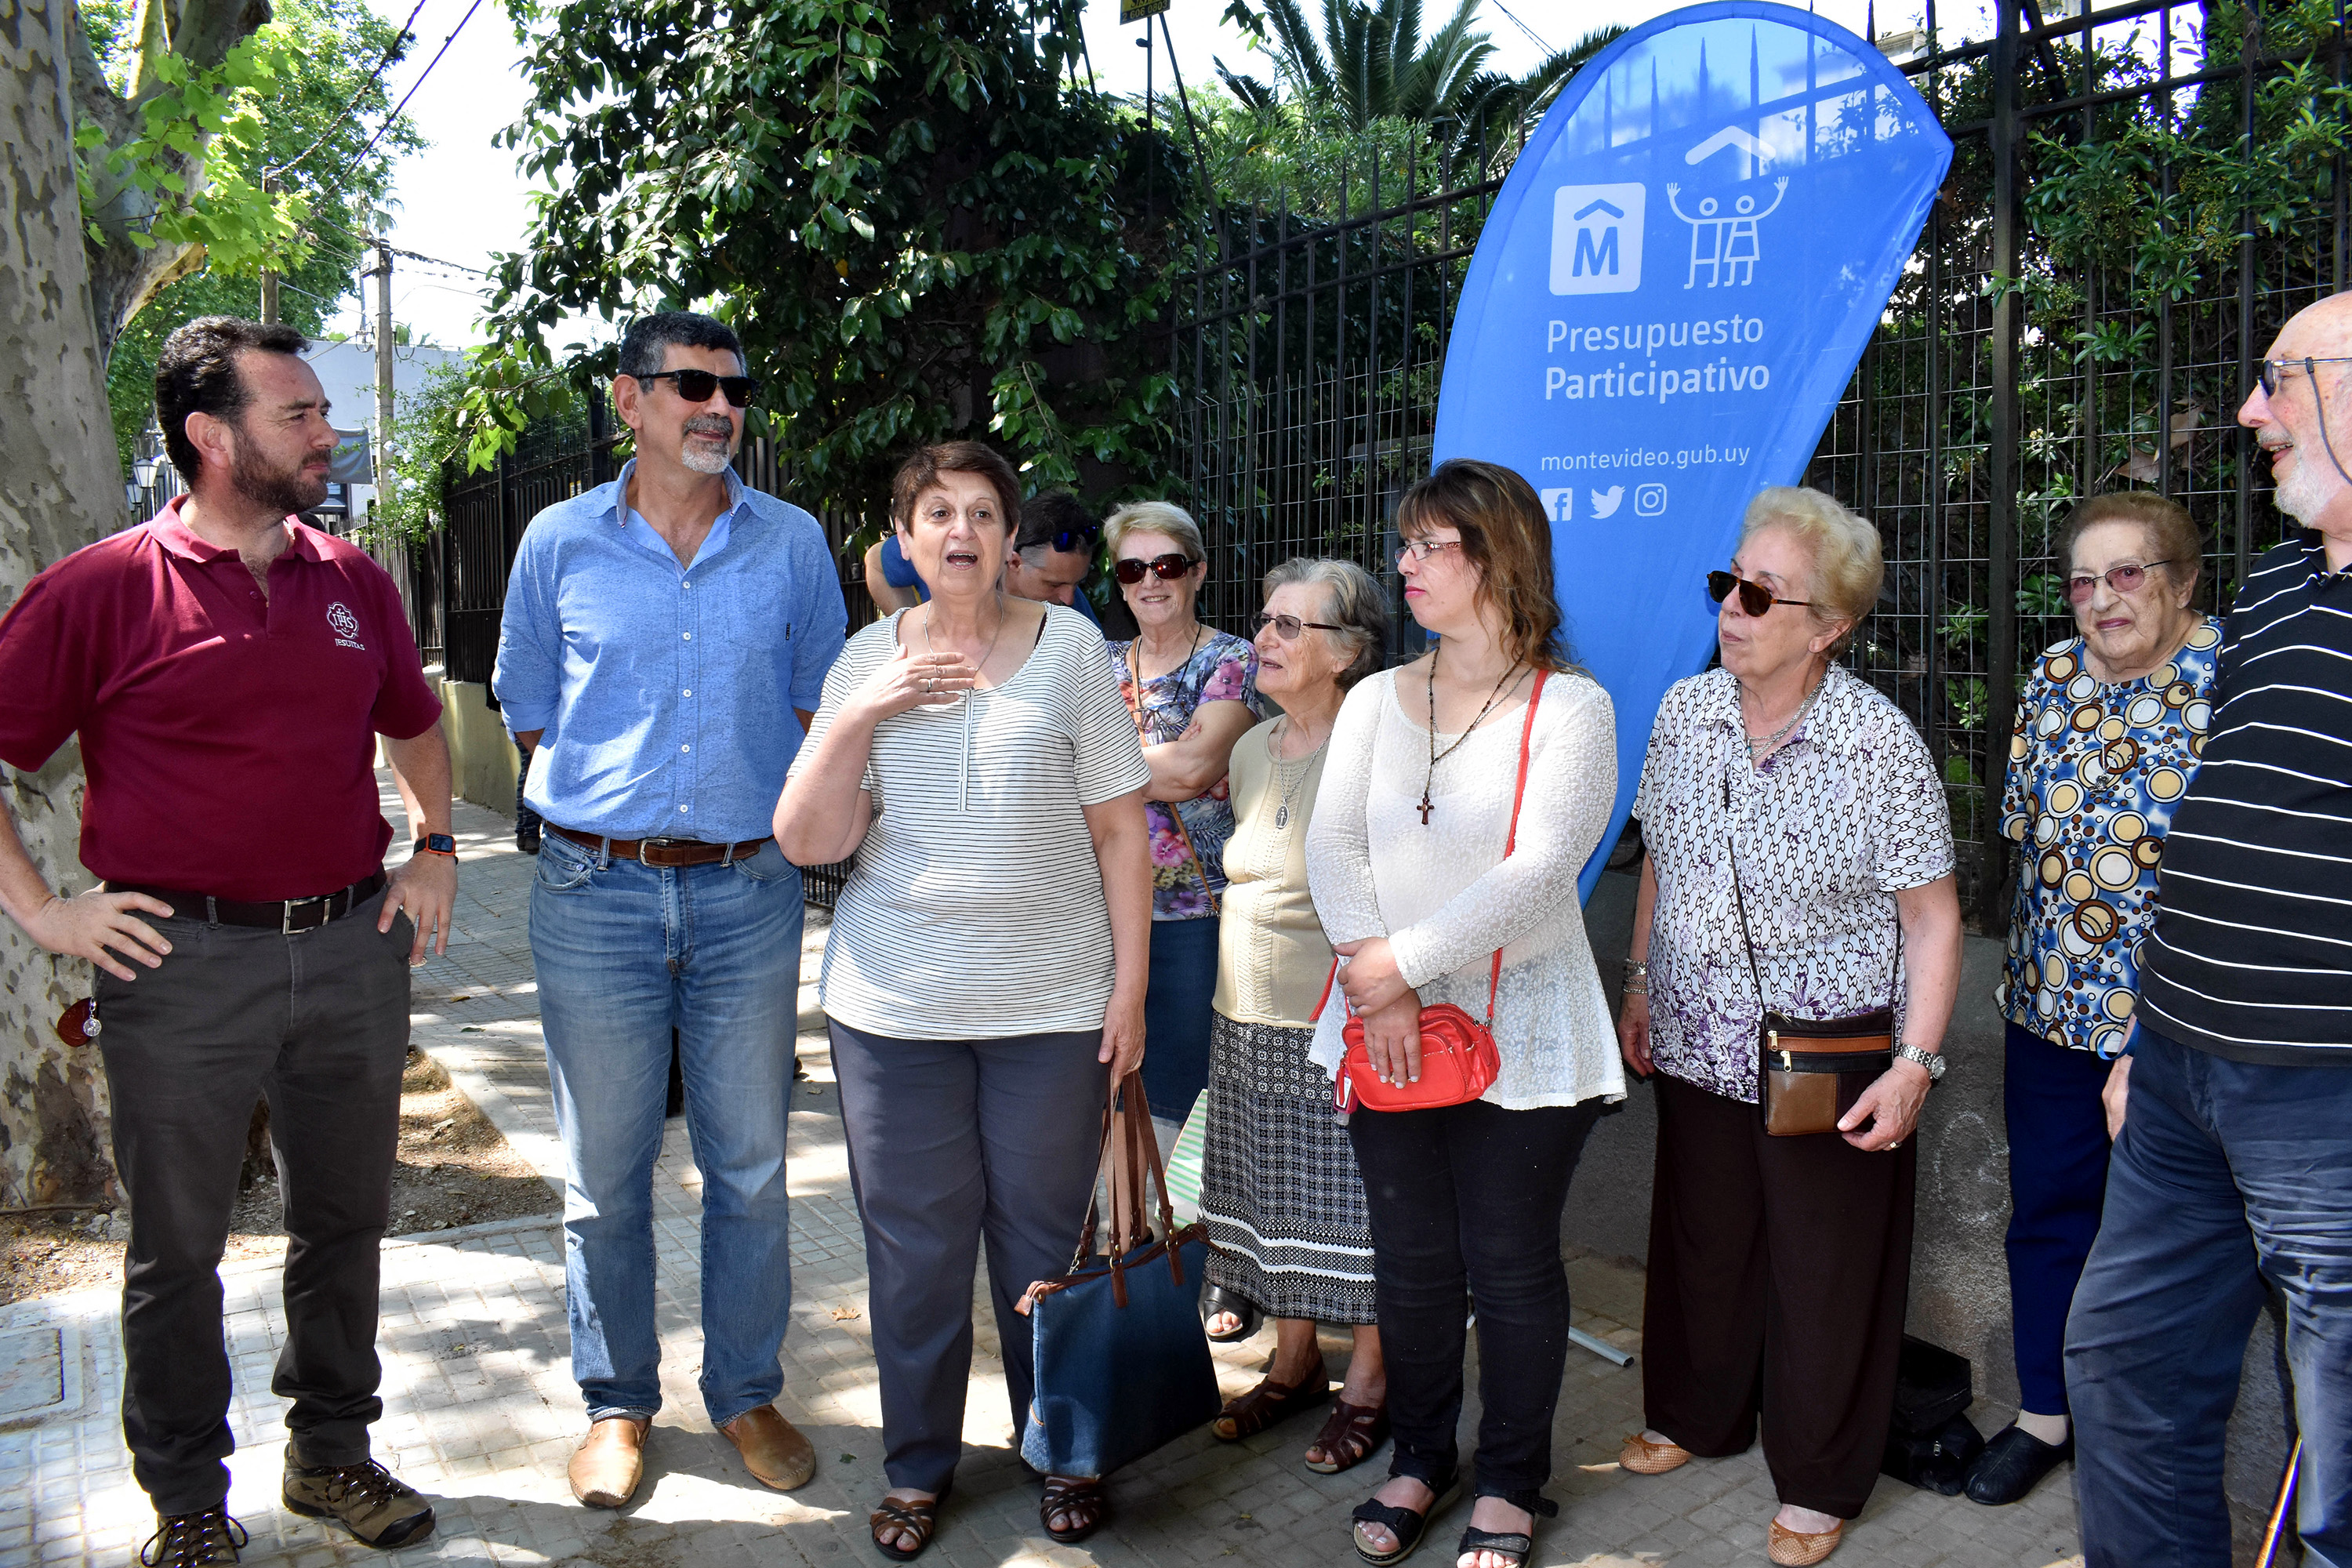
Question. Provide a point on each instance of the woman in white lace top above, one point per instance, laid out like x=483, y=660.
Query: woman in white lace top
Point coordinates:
x=1405, y=858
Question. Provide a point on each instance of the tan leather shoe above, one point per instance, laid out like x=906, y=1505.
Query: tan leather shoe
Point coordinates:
x=1644, y=1457
x=1796, y=1549
x=610, y=1459
x=773, y=1449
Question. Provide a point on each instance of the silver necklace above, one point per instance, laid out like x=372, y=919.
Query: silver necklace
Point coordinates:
x=982, y=665
x=1775, y=737
x=1305, y=766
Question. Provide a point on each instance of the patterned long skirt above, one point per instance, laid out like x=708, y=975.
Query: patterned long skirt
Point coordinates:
x=1279, y=1187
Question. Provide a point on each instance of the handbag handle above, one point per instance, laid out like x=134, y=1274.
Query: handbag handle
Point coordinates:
x=1511, y=842
x=1130, y=1157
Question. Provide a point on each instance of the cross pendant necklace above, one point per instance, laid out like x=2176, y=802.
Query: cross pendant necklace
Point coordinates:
x=1510, y=677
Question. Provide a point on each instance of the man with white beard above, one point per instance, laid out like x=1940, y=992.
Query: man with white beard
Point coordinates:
x=661, y=633
x=2232, y=1111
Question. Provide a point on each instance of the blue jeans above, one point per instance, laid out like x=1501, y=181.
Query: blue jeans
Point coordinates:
x=2227, y=1175
x=624, y=953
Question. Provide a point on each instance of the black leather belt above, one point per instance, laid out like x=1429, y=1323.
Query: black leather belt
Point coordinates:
x=287, y=915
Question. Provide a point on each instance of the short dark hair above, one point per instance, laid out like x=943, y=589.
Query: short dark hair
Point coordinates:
x=1045, y=517
x=647, y=341
x=196, y=373
x=924, y=465
x=2171, y=533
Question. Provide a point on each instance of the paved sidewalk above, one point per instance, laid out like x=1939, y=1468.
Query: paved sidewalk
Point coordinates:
x=481, y=1413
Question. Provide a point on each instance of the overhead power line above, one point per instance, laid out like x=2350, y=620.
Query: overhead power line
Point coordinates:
x=392, y=118
x=390, y=55
x=1535, y=37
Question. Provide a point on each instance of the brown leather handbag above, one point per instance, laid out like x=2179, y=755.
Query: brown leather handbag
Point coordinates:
x=1810, y=1071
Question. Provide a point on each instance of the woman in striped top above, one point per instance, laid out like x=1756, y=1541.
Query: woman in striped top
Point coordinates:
x=975, y=757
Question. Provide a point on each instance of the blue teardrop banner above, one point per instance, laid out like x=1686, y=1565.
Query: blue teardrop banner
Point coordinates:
x=1665, y=304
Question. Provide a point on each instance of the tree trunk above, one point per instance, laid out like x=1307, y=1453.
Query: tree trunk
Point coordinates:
x=59, y=490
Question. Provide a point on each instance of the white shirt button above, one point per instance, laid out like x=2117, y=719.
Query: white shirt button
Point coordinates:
x=681, y=808
x=686, y=691
x=686, y=748
x=687, y=635
x=684, y=584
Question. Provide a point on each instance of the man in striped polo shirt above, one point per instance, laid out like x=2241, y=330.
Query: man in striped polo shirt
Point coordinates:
x=2234, y=1156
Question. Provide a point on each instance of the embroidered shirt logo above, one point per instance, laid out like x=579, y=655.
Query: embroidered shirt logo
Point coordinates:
x=346, y=627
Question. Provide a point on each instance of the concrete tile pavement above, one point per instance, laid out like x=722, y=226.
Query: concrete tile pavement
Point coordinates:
x=481, y=1413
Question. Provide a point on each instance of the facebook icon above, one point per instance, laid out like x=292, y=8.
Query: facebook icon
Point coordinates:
x=1559, y=506
x=1596, y=239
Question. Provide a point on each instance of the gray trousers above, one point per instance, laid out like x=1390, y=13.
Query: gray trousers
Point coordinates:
x=951, y=1141
x=319, y=1022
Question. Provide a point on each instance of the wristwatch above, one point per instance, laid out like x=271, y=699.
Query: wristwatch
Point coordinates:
x=1934, y=1063
x=435, y=844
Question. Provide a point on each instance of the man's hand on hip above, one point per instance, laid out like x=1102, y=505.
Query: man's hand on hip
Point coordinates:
x=426, y=887
x=87, y=925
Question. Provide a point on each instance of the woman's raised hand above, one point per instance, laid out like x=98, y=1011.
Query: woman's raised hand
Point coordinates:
x=912, y=679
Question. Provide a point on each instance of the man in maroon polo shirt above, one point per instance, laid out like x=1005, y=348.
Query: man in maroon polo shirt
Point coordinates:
x=228, y=670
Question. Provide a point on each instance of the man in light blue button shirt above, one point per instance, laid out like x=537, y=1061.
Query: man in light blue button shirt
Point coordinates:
x=664, y=644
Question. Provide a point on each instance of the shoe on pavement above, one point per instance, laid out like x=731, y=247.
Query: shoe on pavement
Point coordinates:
x=610, y=1460
x=2014, y=1464
x=1644, y=1457
x=773, y=1449
x=1799, y=1548
x=192, y=1540
x=364, y=1499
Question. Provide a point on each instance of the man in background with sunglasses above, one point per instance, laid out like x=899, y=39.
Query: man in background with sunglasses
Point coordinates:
x=1054, y=552
x=661, y=633
x=2234, y=1109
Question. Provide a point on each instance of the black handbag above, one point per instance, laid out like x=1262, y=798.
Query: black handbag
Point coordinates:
x=1122, y=1361
x=1930, y=1443
x=1810, y=1071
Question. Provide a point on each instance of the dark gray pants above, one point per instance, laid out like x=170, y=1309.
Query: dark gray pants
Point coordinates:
x=319, y=1022
x=948, y=1141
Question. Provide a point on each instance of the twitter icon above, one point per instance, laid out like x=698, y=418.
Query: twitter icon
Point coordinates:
x=1605, y=502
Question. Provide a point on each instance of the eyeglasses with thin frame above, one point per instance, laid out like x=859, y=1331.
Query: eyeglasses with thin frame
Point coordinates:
x=1288, y=627
x=1422, y=549
x=2125, y=579
x=2269, y=372
x=1166, y=568
x=697, y=385
x=1754, y=599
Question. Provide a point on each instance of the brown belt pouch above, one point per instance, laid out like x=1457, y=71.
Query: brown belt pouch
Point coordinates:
x=1813, y=1069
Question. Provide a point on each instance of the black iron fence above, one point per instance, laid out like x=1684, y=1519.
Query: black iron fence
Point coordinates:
x=2134, y=208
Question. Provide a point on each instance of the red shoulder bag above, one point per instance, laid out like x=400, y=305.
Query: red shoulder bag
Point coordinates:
x=1458, y=1060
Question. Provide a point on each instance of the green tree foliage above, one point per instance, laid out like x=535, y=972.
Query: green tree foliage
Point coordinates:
x=919, y=221
x=314, y=60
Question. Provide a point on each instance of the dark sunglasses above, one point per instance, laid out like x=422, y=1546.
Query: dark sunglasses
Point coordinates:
x=697, y=385
x=2269, y=372
x=2121, y=579
x=1755, y=598
x=1288, y=627
x=1071, y=539
x=1166, y=568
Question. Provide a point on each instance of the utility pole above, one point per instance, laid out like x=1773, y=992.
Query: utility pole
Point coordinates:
x=382, y=369
x=268, y=274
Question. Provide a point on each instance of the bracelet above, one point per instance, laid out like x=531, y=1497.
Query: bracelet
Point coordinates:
x=1636, y=967
x=1633, y=990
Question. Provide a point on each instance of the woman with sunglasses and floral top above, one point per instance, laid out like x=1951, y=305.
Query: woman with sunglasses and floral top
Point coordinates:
x=2109, y=731
x=1801, y=862
x=1192, y=693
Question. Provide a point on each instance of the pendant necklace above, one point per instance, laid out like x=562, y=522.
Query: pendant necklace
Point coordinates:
x=1510, y=677
x=1305, y=766
x=1135, y=654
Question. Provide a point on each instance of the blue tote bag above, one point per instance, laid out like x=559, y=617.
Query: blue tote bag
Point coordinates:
x=1122, y=1361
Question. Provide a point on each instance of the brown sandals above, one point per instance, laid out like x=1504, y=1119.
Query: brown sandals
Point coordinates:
x=1349, y=1436
x=1271, y=1401
x=1082, y=1504
x=920, y=1520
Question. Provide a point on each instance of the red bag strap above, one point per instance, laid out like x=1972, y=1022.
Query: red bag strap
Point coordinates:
x=1511, y=841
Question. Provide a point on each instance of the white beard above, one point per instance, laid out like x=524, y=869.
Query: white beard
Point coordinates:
x=2306, y=493
x=704, y=456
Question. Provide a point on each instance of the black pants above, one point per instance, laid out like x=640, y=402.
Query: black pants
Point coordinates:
x=951, y=1140
x=319, y=1022
x=1778, y=1271
x=1465, y=1203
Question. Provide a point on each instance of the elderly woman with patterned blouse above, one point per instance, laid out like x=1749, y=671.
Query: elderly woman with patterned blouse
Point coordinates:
x=2110, y=728
x=1801, y=862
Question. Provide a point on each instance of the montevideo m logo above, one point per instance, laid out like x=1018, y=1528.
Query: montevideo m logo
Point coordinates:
x=1596, y=239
